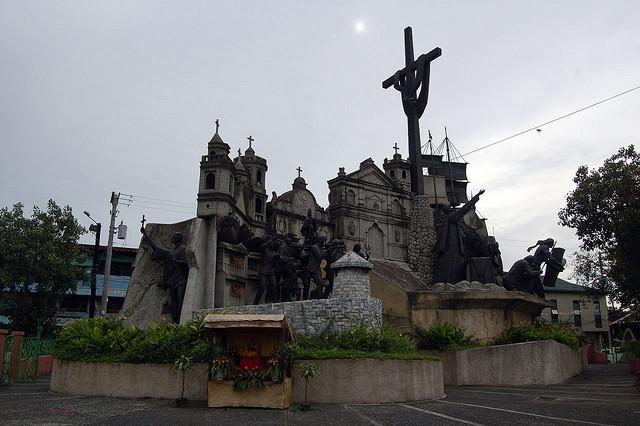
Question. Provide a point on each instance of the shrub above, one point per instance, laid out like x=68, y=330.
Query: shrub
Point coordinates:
x=631, y=349
x=110, y=340
x=442, y=337
x=360, y=338
x=540, y=330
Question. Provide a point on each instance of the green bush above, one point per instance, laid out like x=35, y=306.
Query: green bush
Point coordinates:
x=360, y=338
x=110, y=340
x=442, y=337
x=333, y=353
x=632, y=349
x=540, y=330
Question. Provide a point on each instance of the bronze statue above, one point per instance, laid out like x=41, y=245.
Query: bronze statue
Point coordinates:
x=451, y=262
x=311, y=257
x=308, y=229
x=524, y=275
x=266, y=272
x=551, y=256
x=175, y=272
x=229, y=229
x=414, y=76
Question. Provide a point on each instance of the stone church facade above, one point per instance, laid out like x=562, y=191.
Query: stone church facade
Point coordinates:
x=370, y=207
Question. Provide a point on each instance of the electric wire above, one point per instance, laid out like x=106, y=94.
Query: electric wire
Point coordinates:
x=160, y=200
x=552, y=121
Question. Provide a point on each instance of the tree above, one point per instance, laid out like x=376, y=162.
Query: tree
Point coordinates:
x=604, y=209
x=36, y=264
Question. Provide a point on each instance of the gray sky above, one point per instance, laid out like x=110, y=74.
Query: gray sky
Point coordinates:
x=122, y=95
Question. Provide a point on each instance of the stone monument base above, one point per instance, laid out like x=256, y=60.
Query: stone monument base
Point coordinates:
x=482, y=314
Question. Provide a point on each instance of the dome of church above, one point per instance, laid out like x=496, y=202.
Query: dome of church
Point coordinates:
x=299, y=183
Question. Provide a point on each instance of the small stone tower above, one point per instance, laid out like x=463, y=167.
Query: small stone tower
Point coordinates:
x=215, y=188
x=398, y=170
x=256, y=167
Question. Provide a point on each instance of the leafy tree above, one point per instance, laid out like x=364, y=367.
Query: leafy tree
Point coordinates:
x=604, y=209
x=36, y=264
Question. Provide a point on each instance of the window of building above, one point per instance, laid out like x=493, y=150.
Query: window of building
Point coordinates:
x=597, y=313
x=395, y=207
x=210, y=182
x=351, y=197
x=577, y=317
x=554, y=310
x=258, y=176
x=258, y=205
x=392, y=173
x=404, y=174
x=122, y=269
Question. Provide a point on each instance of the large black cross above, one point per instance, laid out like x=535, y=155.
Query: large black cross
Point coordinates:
x=414, y=76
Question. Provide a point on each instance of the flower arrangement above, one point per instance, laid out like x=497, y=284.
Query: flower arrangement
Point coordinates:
x=220, y=367
x=250, y=369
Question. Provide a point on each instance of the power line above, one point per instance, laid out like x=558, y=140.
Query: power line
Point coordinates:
x=150, y=199
x=138, y=206
x=553, y=121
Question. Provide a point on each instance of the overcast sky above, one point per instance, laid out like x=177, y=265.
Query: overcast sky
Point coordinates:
x=122, y=96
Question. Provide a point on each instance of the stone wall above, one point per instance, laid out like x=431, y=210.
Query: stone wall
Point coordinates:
x=350, y=303
x=370, y=381
x=532, y=363
x=422, y=238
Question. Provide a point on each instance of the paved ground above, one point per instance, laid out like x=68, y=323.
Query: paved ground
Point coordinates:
x=601, y=395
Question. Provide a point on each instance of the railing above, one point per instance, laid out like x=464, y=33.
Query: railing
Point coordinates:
x=19, y=356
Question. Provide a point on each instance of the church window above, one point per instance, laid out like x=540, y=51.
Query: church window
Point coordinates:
x=258, y=205
x=376, y=206
x=395, y=207
x=258, y=176
x=404, y=174
x=210, y=182
x=351, y=197
x=392, y=173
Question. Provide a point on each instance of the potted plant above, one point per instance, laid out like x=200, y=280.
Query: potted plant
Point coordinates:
x=220, y=367
x=309, y=371
x=182, y=364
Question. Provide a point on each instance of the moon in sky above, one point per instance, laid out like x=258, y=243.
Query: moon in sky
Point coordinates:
x=359, y=26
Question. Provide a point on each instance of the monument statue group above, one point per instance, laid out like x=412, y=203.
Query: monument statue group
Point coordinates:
x=295, y=241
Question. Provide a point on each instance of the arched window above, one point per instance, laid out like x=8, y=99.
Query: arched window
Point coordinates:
x=258, y=176
x=259, y=205
x=351, y=197
x=392, y=173
x=395, y=207
x=210, y=182
x=404, y=174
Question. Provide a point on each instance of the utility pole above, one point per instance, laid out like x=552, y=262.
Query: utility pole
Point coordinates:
x=95, y=227
x=107, y=264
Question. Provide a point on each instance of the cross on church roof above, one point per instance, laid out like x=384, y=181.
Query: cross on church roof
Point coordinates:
x=395, y=147
x=250, y=140
x=239, y=152
x=299, y=171
x=217, y=125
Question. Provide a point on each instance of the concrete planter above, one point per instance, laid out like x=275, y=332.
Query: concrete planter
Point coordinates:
x=368, y=381
x=339, y=381
x=532, y=363
x=128, y=380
